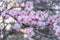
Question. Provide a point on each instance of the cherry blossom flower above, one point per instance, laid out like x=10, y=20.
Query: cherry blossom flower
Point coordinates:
x=29, y=21
x=30, y=32
x=52, y=19
x=16, y=26
x=41, y=24
x=41, y=15
x=57, y=27
x=30, y=17
x=13, y=12
x=2, y=6
x=29, y=6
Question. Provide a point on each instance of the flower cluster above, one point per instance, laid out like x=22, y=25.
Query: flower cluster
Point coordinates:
x=15, y=15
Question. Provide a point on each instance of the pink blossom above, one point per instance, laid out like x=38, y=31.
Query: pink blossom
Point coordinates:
x=30, y=32
x=52, y=19
x=13, y=12
x=57, y=27
x=16, y=26
x=29, y=6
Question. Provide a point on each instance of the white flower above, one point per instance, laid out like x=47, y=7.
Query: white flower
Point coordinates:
x=9, y=20
x=10, y=0
x=2, y=6
x=25, y=35
x=1, y=19
x=9, y=36
x=8, y=27
x=1, y=26
x=1, y=3
x=22, y=4
x=17, y=9
x=2, y=35
x=10, y=5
